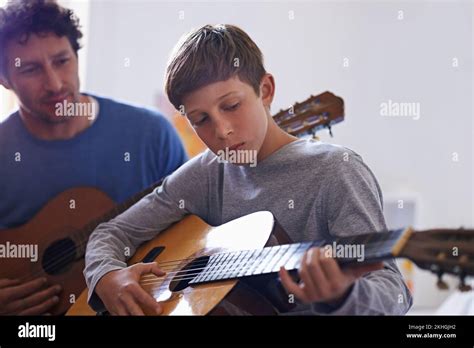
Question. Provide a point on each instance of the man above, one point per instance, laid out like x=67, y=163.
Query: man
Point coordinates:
x=61, y=138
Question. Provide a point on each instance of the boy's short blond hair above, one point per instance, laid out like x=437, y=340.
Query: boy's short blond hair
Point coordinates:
x=211, y=54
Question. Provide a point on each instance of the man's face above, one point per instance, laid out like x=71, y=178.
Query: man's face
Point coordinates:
x=229, y=114
x=42, y=73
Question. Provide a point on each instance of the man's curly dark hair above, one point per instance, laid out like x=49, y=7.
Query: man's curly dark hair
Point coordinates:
x=21, y=18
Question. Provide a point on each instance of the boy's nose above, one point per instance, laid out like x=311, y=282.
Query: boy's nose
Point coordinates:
x=223, y=129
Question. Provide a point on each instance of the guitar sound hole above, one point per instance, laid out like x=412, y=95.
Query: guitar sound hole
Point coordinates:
x=189, y=272
x=58, y=256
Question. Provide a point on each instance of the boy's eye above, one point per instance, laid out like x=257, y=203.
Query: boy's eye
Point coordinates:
x=232, y=107
x=201, y=121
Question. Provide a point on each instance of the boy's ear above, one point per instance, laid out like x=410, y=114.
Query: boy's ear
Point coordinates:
x=267, y=89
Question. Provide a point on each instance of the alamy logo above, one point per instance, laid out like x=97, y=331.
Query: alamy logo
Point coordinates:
x=396, y=109
x=66, y=109
x=237, y=156
x=37, y=331
x=20, y=251
x=349, y=251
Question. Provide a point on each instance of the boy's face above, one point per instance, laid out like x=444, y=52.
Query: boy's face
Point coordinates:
x=41, y=73
x=229, y=114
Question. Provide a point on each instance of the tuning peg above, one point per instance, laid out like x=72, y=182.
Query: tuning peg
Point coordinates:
x=441, y=284
x=463, y=287
x=463, y=259
x=441, y=256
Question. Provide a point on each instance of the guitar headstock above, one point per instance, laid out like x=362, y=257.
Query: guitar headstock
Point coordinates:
x=315, y=113
x=443, y=251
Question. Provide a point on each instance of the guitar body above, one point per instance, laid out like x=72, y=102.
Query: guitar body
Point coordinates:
x=189, y=239
x=60, y=247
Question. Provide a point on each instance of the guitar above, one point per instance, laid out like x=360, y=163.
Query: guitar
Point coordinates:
x=315, y=113
x=209, y=267
x=61, y=233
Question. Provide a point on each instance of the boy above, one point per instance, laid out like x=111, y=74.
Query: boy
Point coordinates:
x=216, y=76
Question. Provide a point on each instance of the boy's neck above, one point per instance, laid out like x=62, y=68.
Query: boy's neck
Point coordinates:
x=275, y=139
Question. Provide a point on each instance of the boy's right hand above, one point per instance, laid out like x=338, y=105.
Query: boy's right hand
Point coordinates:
x=122, y=294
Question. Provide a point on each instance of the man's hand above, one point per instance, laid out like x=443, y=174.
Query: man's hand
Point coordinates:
x=121, y=292
x=322, y=280
x=34, y=297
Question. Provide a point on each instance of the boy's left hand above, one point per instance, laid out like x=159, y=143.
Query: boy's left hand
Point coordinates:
x=322, y=280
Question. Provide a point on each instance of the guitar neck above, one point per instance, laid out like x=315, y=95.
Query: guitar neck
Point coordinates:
x=346, y=250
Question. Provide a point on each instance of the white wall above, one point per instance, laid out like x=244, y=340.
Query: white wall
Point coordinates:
x=405, y=61
x=408, y=60
x=81, y=9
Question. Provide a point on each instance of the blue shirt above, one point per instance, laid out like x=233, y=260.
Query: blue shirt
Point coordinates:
x=125, y=150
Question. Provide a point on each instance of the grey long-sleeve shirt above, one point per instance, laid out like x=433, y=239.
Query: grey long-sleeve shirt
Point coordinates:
x=315, y=190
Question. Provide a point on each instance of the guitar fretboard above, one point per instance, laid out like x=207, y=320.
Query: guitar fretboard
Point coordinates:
x=245, y=263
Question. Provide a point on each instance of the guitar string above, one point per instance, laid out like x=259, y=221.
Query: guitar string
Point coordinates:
x=214, y=271
x=225, y=276
x=239, y=261
x=233, y=256
x=210, y=272
x=167, y=265
x=185, y=273
x=252, y=258
x=151, y=278
x=160, y=280
x=66, y=253
x=70, y=251
x=163, y=284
